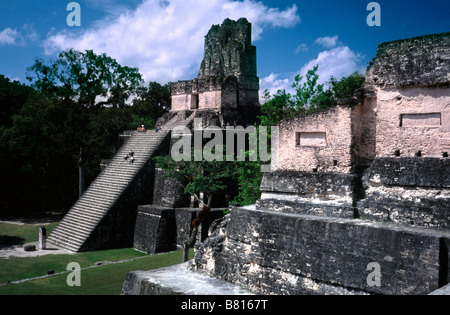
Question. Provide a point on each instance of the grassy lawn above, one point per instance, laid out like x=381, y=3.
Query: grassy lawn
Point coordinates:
x=14, y=234
x=106, y=279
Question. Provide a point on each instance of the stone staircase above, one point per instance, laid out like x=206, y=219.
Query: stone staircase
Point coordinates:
x=78, y=224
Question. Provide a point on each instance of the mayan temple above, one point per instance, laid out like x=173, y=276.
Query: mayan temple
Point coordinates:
x=357, y=201
x=227, y=82
x=132, y=205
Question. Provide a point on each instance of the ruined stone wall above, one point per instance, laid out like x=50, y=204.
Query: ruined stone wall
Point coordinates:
x=408, y=191
x=210, y=100
x=408, y=182
x=228, y=51
x=419, y=61
x=183, y=102
x=411, y=80
x=227, y=77
x=364, y=130
x=321, y=194
x=319, y=141
x=413, y=120
x=278, y=253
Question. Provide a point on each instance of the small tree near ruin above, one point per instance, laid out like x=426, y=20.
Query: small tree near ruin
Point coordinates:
x=206, y=177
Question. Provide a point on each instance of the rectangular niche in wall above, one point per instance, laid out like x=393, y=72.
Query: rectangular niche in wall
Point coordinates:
x=421, y=120
x=311, y=139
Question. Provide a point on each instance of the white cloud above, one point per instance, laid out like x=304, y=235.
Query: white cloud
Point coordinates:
x=8, y=36
x=273, y=83
x=14, y=37
x=29, y=34
x=165, y=39
x=337, y=62
x=300, y=48
x=327, y=41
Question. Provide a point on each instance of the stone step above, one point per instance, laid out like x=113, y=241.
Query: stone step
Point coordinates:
x=76, y=226
x=69, y=237
x=95, y=202
x=75, y=232
x=104, y=187
x=84, y=218
x=177, y=280
x=64, y=242
x=83, y=221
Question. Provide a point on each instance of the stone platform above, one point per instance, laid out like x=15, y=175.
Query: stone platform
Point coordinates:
x=177, y=280
x=281, y=253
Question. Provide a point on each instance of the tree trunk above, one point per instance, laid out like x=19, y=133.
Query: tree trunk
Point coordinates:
x=81, y=175
x=193, y=236
x=189, y=243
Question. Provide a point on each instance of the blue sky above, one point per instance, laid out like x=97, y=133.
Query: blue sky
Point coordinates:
x=164, y=39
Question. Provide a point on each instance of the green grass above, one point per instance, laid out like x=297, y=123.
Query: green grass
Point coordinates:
x=106, y=279
x=101, y=280
x=14, y=234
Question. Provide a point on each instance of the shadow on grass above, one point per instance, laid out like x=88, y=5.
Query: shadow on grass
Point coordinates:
x=7, y=241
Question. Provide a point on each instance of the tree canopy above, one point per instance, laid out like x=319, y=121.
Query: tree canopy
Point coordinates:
x=89, y=79
x=78, y=103
x=309, y=96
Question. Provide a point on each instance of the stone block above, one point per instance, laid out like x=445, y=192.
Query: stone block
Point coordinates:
x=411, y=172
x=322, y=255
x=177, y=280
x=162, y=229
x=415, y=61
x=155, y=229
x=323, y=194
x=29, y=248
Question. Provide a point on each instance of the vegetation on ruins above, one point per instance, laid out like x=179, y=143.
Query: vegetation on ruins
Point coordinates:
x=78, y=103
x=201, y=178
x=206, y=176
x=309, y=96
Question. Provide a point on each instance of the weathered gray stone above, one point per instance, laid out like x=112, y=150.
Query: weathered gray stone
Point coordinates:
x=155, y=229
x=229, y=51
x=407, y=191
x=227, y=81
x=177, y=280
x=322, y=194
x=277, y=253
x=416, y=61
x=161, y=229
x=29, y=248
x=412, y=172
x=42, y=237
x=442, y=291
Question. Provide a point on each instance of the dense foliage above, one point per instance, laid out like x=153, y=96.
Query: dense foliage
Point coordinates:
x=55, y=131
x=309, y=96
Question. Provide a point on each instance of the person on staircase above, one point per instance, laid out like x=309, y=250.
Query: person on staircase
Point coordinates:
x=131, y=156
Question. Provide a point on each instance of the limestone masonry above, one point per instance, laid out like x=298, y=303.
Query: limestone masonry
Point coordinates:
x=366, y=182
x=357, y=201
x=227, y=81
